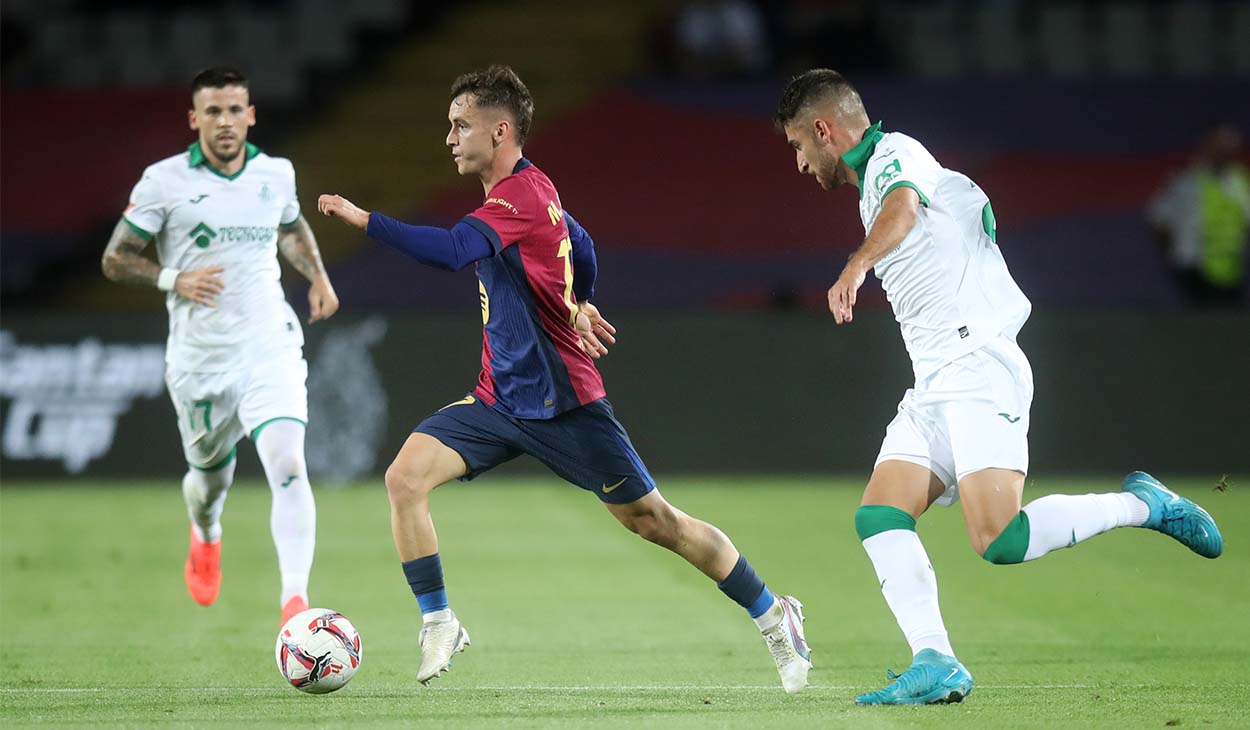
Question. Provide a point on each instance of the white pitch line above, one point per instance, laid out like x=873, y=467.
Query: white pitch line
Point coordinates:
x=584, y=688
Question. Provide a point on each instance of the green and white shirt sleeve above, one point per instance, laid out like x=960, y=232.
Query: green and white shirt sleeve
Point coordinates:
x=148, y=210
x=902, y=162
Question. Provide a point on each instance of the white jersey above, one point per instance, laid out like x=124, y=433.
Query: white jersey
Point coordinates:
x=200, y=217
x=947, y=281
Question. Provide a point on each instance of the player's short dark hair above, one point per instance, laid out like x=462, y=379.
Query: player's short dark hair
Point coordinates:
x=808, y=88
x=500, y=87
x=218, y=77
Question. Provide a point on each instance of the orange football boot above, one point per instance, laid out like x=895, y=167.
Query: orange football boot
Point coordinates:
x=295, y=604
x=203, y=570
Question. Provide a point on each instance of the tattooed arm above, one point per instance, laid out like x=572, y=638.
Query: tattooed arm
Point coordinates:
x=125, y=263
x=299, y=248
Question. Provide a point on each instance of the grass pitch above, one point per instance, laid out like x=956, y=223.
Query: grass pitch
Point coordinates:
x=577, y=623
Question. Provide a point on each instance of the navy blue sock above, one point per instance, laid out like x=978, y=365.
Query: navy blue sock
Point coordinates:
x=747, y=589
x=425, y=577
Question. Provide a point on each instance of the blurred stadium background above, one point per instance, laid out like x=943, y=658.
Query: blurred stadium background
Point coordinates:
x=654, y=120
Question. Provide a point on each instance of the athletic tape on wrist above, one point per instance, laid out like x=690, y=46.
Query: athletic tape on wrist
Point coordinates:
x=167, y=278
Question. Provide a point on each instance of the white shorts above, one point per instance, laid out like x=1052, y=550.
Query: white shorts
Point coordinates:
x=972, y=414
x=216, y=410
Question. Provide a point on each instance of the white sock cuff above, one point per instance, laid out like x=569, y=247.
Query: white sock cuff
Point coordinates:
x=1137, y=510
x=442, y=614
x=771, y=617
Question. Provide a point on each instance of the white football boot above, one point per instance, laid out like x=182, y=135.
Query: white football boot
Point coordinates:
x=784, y=636
x=439, y=639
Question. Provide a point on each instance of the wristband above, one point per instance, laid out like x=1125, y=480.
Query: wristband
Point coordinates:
x=167, y=278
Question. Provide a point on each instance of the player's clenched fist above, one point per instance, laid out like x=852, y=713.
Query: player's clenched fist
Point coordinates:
x=336, y=206
x=323, y=302
x=201, y=285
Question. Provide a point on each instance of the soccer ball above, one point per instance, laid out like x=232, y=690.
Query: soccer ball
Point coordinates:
x=318, y=651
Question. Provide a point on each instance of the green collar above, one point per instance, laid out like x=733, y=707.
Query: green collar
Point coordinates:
x=857, y=157
x=196, y=158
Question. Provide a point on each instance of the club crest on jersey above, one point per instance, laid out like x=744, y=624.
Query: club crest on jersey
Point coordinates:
x=266, y=194
x=202, y=235
x=888, y=175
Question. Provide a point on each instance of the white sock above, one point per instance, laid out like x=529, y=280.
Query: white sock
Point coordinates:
x=1058, y=521
x=910, y=588
x=771, y=617
x=293, y=518
x=442, y=614
x=205, y=495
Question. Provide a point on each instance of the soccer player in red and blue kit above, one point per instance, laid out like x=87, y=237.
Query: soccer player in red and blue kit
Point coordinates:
x=539, y=392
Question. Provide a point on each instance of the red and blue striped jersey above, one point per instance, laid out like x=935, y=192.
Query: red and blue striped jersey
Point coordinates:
x=532, y=364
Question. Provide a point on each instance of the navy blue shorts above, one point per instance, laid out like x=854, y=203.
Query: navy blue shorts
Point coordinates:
x=586, y=446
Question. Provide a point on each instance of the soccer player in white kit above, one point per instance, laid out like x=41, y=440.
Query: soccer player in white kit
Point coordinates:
x=961, y=431
x=219, y=213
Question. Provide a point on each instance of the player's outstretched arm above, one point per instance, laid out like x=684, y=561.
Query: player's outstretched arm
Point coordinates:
x=438, y=247
x=898, y=216
x=124, y=262
x=299, y=247
x=336, y=206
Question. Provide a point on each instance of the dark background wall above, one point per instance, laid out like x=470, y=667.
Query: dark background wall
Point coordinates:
x=750, y=393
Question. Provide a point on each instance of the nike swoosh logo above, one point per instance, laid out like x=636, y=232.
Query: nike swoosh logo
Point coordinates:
x=198, y=199
x=953, y=673
x=467, y=400
x=608, y=490
x=289, y=479
x=1009, y=418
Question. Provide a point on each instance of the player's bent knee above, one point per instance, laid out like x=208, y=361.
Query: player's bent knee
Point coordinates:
x=1009, y=546
x=648, y=527
x=657, y=527
x=406, y=481
x=285, y=465
x=659, y=533
x=981, y=543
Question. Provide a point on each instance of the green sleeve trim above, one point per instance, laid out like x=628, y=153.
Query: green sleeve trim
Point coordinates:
x=874, y=519
x=1011, y=544
x=145, y=235
x=907, y=184
x=219, y=465
x=256, y=431
x=989, y=223
x=288, y=225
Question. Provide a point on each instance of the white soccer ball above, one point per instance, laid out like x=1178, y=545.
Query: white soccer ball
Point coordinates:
x=318, y=651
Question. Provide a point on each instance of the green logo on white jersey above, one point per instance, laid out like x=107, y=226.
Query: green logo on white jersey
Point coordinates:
x=203, y=235
x=891, y=171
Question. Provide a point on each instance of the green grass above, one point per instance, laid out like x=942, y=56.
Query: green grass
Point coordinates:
x=576, y=622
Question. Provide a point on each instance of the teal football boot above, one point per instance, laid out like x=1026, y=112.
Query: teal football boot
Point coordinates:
x=932, y=679
x=1175, y=516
